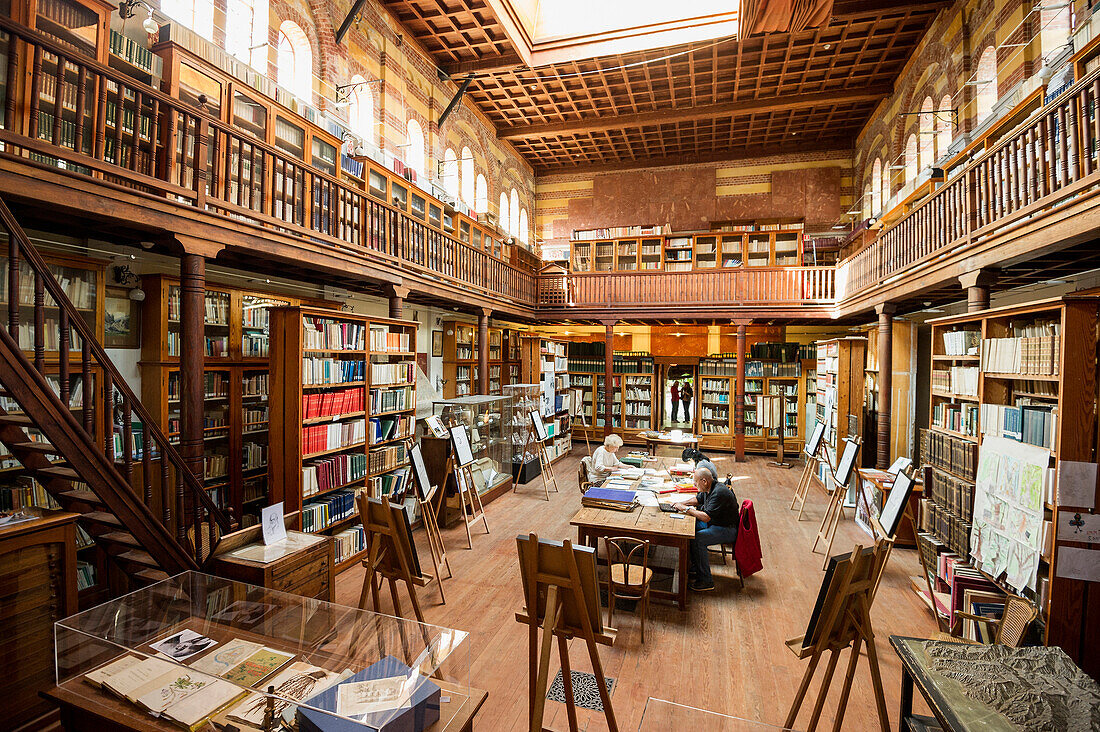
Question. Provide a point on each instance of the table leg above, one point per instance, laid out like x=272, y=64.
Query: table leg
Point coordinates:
x=682, y=589
x=906, y=698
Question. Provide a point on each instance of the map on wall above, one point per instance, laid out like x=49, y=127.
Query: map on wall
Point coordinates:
x=1007, y=532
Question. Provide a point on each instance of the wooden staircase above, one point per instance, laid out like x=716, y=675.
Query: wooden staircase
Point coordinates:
x=142, y=504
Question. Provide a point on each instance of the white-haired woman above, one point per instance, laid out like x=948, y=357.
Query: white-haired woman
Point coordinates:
x=604, y=459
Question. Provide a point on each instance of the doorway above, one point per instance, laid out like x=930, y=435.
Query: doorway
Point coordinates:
x=678, y=398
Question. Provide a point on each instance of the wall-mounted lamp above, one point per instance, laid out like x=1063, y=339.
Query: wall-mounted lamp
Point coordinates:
x=126, y=10
x=126, y=278
x=343, y=91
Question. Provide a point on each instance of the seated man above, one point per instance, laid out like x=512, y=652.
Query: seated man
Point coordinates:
x=604, y=459
x=716, y=518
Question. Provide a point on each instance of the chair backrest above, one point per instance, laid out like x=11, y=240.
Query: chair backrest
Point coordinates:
x=208, y=536
x=625, y=550
x=1017, y=618
x=584, y=473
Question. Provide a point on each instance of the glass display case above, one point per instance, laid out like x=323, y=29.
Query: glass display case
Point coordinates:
x=194, y=648
x=490, y=435
x=520, y=401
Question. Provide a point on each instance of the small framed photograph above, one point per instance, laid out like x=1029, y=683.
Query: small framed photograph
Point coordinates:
x=122, y=320
x=437, y=343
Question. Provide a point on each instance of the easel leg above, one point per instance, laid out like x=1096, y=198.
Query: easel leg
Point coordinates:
x=462, y=499
x=475, y=497
x=819, y=703
x=538, y=698
x=872, y=660
x=803, y=687
x=601, y=685
x=567, y=683
x=830, y=507
x=416, y=603
x=842, y=703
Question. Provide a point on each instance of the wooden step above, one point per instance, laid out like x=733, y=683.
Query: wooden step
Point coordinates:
x=58, y=471
x=139, y=557
x=80, y=496
x=151, y=575
x=102, y=518
x=19, y=420
x=119, y=538
x=42, y=447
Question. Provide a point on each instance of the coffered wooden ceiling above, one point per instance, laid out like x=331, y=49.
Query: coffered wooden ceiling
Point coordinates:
x=702, y=101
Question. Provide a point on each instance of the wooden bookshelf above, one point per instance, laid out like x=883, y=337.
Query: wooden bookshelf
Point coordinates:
x=1064, y=373
x=545, y=362
x=902, y=405
x=840, y=383
x=716, y=398
x=343, y=405
x=634, y=395
x=735, y=247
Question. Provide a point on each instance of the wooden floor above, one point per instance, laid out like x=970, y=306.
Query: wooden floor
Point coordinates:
x=724, y=653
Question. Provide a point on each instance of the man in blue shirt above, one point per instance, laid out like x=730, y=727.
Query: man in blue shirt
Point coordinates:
x=717, y=515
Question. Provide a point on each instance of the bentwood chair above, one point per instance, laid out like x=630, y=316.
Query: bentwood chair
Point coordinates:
x=584, y=475
x=1011, y=629
x=628, y=574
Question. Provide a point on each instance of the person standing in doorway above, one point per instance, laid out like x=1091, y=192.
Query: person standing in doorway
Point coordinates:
x=675, y=399
x=686, y=393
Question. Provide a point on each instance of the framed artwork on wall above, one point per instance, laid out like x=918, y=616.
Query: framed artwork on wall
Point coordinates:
x=437, y=343
x=122, y=320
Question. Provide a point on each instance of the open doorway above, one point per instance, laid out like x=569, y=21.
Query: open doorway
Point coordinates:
x=678, y=398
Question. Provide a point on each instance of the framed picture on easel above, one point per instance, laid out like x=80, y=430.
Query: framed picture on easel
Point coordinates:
x=538, y=426
x=814, y=443
x=460, y=439
x=424, y=488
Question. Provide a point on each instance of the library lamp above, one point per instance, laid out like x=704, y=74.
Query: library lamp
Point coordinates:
x=126, y=10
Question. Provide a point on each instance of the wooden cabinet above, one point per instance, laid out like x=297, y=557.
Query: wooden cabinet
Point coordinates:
x=308, y=572
x=740, y=247
x=38, y=584
x=460, y=359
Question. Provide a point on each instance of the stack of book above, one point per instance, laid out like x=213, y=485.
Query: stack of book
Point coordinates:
x=323, y=437
x=613, y=498
x=1035, y=424
x=333, y=471
x=317, y=371
x=387, y=458
x=383, y=429
x=382, y=340
x=322, y=333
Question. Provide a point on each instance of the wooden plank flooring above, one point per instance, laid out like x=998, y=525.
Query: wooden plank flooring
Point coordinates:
x=724, y=653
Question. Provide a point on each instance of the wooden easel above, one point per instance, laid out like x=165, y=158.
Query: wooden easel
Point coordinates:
x=428, y=510
x=803, y=489
x=577, y=395
x=545, y=466
x=561, y=596
x=770, y=407
x=835, y=508
x=845, y=620
x=469, y=501
x=389, y=554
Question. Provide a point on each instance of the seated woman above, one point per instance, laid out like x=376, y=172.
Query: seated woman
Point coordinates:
x=604, y=459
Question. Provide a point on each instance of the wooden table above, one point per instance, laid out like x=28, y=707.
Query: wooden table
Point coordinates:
x=644, y=522
x=85, y=708
x=663, y=441
x=954, y=711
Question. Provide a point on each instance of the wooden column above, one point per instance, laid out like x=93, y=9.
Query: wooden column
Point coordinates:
x=608, y=373
x=977, y=285
x=885, y=381
x=396, y=295
x=483, y=351
x=739, y=404
x=192, y=310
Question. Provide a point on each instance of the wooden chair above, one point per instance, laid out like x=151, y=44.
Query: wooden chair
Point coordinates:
x=209, y=536
x=584, y=471
x=1011, y=629
x=626, y=577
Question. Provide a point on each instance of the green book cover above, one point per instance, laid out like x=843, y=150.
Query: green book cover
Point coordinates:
x=257, y=667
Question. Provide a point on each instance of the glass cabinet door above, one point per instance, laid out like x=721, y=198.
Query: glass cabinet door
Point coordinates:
x=249, y=116
x=786, y=249
x=70, y=23
x=706, y=252
x=649, y=256
x=256, y=324
x=732, y=255
x=758, y=250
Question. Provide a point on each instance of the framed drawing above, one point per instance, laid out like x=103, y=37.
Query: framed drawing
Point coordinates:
x=814, y=443
x=437, y=343
x=424, y=489
x=540, y=428
x=122, y=320
x=464, y=454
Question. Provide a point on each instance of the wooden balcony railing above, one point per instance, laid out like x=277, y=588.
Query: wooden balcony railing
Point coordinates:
x=1047, y=162
x=727, y=287
x=132, y=135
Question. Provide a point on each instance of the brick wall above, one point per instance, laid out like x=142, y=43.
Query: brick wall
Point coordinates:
x=815, y=188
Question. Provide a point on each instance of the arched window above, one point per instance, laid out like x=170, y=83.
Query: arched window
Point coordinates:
x=945, y=123
x=295, y=66
x=911, y=166
x=1055, y=24
x=987, y=83
x=450, y=173
x=927, y=133
x=481, y=195
x=246, y=31
x=513, y=208
x=876, y=187
x=886, y=188
x=198, y=15
x=867, y=202
x=414, y=153
x=361, y=109
x=469, y=195
x=502, y=212
x=524, y=236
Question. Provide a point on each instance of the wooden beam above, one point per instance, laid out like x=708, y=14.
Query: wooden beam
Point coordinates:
x=726, y=109
x=848, y=8
x=499, y=62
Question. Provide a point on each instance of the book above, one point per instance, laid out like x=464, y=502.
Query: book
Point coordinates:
x=258, y=666
x=294, y=683
x=130, y=680
x=415, y=707
x=96, y=677
x=220, y=661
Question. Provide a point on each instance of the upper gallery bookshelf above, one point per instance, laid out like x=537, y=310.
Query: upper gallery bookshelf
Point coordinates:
x=343, y=405
x=545, y=362
x=1027, y=373
x=734, y=247
x=236, y=347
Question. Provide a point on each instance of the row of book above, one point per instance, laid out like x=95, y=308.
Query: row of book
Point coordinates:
x=392, y=373
x=333, y=335
x=393, y=427
x=316, y=371
x=253, y=455
x=959, y=380
x=51, y=337
x=392, y=399
x=785, y=352
x=323, y=437
x=254, y=345
x=618, y=365
x=215, y=466
x=254, y=385
x=130, y=50
x=947, y=452
x=332, y=403
x=615, y=232
x=214, y=346
x=321, y=513
x=79, y=287
x=1038, y=355
x=952, y=493
x=950, y=528
x=387, y=458
x=383, y=340
x=962, y=418
x=394, y=484
x=333, y=471
x=1035, y=424
x=349, y=542
x=26, y=492
x=85, y=575
x=962, y=342
x=215, y=307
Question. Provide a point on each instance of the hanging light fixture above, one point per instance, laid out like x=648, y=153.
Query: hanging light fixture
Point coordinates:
x=126, y=10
